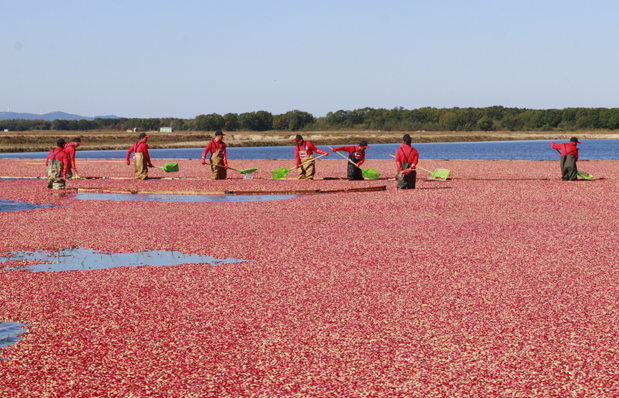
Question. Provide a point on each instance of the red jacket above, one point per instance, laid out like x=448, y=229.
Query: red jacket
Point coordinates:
x=406, y=154
x=62, y=156
x=138, y=147
x=569, y=148
x=309, y=148
x=70, y=150
x=353, y=149
x=213, y=146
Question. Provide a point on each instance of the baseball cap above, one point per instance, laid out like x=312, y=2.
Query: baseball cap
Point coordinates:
x=364, y=143
x=60, y=142
x=407, y=138
x=574, y=139
x=78, y=139
x=143, y=135
x=298, y=138
x=219, y=132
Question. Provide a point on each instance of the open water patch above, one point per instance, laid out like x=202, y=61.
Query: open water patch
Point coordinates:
x=182, y=198
x=7, y=205
x=19, y=178
x=9, y=334
x=81, y=259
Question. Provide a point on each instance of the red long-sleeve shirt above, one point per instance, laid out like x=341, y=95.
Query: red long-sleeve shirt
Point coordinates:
x=406, y=154
x=213, y=146
x=309, y=148
x=569, y=148
x=359, y=155
x=70, y=150
x=138, y=147
x=62, y=156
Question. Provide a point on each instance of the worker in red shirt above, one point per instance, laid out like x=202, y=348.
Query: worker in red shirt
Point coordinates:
x=57, y=166
x=141, y=158
x=406, y=158
x=304, y=153
x=219, y=159
x=569, y=157
x=357, y=156
x=70, y=150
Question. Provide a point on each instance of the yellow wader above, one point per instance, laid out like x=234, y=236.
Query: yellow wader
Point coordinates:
x=140, y=167
x=218, y=173
x=306, y=170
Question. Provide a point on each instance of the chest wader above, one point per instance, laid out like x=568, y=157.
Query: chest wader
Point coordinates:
x=354, y=173
x=217, y=158
x=569, y=171
x=306, y=170
x=54, y=173
x=406, y=181
x=139, y=165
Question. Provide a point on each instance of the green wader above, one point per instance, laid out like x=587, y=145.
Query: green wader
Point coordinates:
x=306, y=170
x=569, y=171
x=218, y=173
x=406, y=181
x=54, y=174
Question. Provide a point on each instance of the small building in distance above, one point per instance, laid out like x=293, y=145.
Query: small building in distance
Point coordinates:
x=166, y=129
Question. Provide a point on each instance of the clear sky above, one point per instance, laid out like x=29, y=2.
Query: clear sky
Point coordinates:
x=184, y=58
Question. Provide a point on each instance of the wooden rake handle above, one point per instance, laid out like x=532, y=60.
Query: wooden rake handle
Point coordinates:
x=415, y=166
x=309, y=160
x=222, y=167
x=351, y=162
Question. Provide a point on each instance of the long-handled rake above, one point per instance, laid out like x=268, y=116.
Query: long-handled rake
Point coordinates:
x=438, y=174
x=248, y=174
x=367, y=173
x=282, y=172
x=169, y=167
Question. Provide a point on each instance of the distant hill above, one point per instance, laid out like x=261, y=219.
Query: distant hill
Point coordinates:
x=49, y=116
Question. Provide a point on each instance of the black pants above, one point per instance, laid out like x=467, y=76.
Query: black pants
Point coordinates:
x=354, y=173
x=569, y=171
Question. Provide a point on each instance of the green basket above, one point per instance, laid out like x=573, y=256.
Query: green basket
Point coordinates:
x=584, y=175
x=169, y=167
x=371, y=174
x=247, y=171
x=280, y=173
x=440, y=174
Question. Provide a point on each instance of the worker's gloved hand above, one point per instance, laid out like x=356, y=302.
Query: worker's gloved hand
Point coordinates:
x=226, y=167
x=203, y=161
x=327, y=154
x=150, y=165
x=405, y=172
x=128, y=163
x=333, y=150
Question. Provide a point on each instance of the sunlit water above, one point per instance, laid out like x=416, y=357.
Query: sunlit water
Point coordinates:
x=81, y=259
x=181, y=198
x=486, y=150
x=9, y=333
x=7, y=205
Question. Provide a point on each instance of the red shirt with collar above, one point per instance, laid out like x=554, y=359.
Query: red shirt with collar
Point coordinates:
x=138, y=147
x=353, y=149
x=309, y=148
x=213, y=146
x=62, y=156
x=569, y=148
x=406, y=154
x=70, y=150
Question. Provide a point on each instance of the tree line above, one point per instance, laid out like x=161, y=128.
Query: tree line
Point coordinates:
x=493, y=118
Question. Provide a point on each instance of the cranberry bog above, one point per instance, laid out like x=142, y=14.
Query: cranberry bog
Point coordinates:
x=500, y=281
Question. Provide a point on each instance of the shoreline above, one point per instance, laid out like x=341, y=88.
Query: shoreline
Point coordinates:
x=40, y=141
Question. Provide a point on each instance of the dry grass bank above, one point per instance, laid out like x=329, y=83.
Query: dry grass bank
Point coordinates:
x=34, y=141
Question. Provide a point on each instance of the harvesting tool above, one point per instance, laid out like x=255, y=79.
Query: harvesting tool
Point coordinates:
x=370, y=174
x=169, y=167
x=437, y=174
x=282, y=172
x=248, y=174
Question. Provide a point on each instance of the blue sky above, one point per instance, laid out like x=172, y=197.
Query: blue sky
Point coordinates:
x=185, y=58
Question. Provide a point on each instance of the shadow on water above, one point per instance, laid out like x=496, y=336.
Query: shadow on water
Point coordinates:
x=7, y=205
x=81, y=259
x=9, y=334
x=181, y=198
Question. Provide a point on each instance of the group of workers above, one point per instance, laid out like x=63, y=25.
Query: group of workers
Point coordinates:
x=61, y=160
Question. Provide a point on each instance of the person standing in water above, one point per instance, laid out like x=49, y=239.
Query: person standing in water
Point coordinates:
x=569, y=157
x=219, y=159
x=141, y=159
